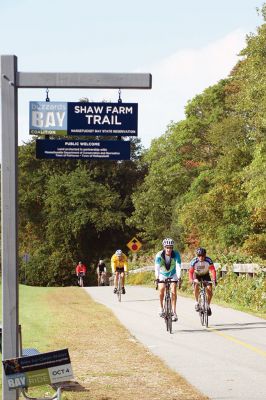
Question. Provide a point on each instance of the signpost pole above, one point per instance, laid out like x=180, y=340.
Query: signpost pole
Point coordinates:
x=9, y=216
x=11, y=81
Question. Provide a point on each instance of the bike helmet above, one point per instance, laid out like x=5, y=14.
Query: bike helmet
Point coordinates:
x=201, y=252
x=118, y=253
x=168, y=242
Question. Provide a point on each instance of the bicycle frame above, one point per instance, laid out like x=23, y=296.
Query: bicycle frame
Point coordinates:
x=101, y=279
x=80, y=279
x=167, y=304
x=203, y=304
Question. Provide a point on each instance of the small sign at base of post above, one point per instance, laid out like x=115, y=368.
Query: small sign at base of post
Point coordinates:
x=41, y=369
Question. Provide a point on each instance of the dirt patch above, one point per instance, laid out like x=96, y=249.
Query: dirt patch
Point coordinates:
x=108, y=362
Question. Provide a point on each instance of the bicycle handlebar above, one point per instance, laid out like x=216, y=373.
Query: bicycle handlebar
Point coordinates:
x=204, y=283
x=167, y=280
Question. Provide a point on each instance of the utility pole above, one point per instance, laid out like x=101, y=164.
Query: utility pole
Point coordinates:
x=11, y=81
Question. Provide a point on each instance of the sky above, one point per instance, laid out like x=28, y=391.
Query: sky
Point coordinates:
x=186, y=45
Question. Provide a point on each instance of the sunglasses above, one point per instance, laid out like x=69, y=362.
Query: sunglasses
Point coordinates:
x=168, y=247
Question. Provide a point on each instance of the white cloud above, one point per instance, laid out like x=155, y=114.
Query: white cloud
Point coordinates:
x=182, y=75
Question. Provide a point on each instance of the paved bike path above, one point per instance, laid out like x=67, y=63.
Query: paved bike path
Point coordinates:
x=227, y=361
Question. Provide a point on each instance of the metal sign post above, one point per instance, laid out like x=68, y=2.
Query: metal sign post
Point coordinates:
x=11, y=81
x=9, y=215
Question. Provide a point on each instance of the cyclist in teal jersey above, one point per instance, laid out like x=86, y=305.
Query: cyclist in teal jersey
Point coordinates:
x=168, y=265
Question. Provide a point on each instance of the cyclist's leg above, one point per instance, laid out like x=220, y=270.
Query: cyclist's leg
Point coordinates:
x=196, y=290
x=209, y=298
x=209, y=293
x=196, y=295
x=173, y=295
x=116, y=278
x=123, y=282
x=115, y=281
x=122, y=279
x=161, y=295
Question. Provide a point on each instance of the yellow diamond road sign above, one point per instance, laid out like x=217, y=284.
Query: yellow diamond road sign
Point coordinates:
x=134, y=244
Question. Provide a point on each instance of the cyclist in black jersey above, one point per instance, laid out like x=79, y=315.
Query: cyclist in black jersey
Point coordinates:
x=101, y=272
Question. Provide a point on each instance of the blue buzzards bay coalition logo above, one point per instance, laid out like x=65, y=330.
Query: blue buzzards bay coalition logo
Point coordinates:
x=83, y=119
x=48, y=118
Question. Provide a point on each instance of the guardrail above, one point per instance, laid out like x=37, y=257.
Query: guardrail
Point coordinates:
x=250, y=269
x=239, y=269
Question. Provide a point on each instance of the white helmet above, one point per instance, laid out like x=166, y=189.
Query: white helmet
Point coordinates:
x=168, y=242
x=118, y=252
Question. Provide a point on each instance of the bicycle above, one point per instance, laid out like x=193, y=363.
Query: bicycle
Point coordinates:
x=81, y=279
x=203, y=304
x=167, y=303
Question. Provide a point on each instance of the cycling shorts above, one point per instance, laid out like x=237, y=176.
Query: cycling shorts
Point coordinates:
x=204, y=278
x=122, y=269
x=173, y=277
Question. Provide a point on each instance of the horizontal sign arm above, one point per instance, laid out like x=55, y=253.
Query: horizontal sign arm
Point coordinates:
x=84, y=80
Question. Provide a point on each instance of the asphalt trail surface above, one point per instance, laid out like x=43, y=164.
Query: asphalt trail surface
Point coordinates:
x=226, y=361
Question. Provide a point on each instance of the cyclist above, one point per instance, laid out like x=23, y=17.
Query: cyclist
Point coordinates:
x=101, y=271
x=119, y=264
x=200, y=268
x=168, y=265
x=80, y=269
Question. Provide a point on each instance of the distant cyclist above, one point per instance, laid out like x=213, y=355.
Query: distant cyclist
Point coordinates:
x=200, y=268
x=119, y=264
x=101, y=272
x=80, y=270
x=168, y=265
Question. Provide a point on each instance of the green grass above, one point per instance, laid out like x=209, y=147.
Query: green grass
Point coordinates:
x=66, y=317
x=35, y=320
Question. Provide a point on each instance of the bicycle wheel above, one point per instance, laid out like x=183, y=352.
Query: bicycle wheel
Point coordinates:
x=205, y=311
x=201, y=309
x=169, y=315
x=81, y=281
x=165, y=316
x=206, y=315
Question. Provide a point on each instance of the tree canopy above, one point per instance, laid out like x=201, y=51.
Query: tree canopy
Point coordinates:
x=202, y=182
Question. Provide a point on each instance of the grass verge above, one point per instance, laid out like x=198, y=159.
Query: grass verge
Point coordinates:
x=107, y=361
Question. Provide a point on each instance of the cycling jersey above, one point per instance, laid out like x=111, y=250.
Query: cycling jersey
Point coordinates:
x=81, y=268
x=167, y=266
x=201, y=268
x=119, y=262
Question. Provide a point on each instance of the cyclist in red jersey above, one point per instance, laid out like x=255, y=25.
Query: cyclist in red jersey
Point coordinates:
x=200, y=268
x=80, y=270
